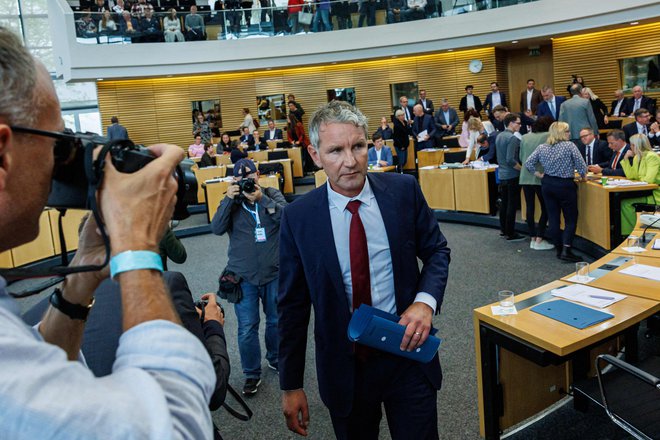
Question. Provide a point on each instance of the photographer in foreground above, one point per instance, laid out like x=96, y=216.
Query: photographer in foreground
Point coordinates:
x=163, y=377
x=251, y=216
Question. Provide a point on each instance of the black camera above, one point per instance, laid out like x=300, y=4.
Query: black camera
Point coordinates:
x=76, y=172
x=201, y=304
x=247, y=186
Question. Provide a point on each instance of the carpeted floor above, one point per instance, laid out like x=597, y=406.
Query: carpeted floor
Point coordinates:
x=482, y=263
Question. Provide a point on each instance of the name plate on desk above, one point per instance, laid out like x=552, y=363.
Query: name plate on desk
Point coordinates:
x=572, y=314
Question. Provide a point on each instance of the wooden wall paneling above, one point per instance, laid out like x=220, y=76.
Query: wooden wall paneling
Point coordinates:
x=522, y=67
x=438, y=76
x=236, y=92
x=372, y=90
x=502, y=72
x=174, y=112
x=6, y=260
x=138, y=109
x=596, y=57
x=308, y=86
x=107, y=94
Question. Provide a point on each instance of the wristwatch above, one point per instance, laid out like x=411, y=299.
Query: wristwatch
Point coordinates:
x=73, y=311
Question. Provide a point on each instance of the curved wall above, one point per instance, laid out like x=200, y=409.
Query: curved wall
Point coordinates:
x=543, y=18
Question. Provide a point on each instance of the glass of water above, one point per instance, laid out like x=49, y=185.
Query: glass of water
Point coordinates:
x=582, y=272
x=633, y=247
x=506, y=298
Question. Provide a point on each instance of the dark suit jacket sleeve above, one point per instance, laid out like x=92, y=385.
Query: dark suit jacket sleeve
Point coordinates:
x=463, y=104
x=454, y=118
x=430, y=126
x=293, y=309
x=477, y=104
x=431, y=248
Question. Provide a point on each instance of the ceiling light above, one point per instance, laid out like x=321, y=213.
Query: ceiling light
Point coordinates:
x=99, y=79
x=633, y=23
x=450, y=50
x=515, y=41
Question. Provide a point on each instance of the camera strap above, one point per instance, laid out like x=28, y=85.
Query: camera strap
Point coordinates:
x=94, y=173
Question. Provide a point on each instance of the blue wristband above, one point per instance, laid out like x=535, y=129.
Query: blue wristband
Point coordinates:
x=135, y=260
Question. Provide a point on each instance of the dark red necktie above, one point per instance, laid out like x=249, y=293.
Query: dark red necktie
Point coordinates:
x=359, y=254
x=616, y=160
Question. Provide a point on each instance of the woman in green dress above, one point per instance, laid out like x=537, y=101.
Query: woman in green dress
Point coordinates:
x=645, y=167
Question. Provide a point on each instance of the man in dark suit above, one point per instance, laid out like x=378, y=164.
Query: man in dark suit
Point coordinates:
x=637, y=101
x=640, y=126
x=247, y=140
x=550, y=105
x=616, y=140
x=530, y=98
x=423, y=123
x=594, y=151
x=619, y=104
x=360, y=221
x=470, y=101
x=446, y=120
x=493, y=99
x=116, y=131
x=407, y=110
x=426, y=104
x=272, y=133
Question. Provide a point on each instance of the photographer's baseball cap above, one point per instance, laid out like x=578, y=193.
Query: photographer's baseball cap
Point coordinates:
x=244, y=167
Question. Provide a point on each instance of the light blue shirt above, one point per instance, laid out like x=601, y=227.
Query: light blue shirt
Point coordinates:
x=160, y=384
x=380, y=259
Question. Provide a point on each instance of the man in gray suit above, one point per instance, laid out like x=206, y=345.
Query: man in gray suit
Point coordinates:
x=116, y=131
x=446, y=120
x=578, y=114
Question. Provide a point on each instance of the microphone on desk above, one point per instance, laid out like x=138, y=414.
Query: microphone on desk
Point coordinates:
x=643, y=237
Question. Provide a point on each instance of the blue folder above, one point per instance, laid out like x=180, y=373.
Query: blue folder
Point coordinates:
x=572, y=314
x=381, y=330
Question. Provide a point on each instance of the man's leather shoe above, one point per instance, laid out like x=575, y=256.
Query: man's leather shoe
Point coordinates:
x=568, y=255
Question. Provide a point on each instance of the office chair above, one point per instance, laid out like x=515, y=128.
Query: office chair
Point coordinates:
x=631, y=395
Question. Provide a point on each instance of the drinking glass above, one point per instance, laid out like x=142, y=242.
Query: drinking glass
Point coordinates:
x=506, y=298
x=582, y=272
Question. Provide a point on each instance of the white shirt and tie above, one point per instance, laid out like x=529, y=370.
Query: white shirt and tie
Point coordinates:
x=617, y=109
x=470, y=101
x=271, y=135
x=380, y=258
x=589, y=152
x=553, y=107
x=495, y=100
x=638, y=104
x=641, y=129
x=530, y=93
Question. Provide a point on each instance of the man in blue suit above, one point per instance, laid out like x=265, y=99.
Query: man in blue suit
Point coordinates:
x=356, y=240
x=377, y=155
x=116, y=131
x=550, y=105
x=423, y=123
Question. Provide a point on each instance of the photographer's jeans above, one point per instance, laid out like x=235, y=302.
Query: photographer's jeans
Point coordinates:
x=247, y=314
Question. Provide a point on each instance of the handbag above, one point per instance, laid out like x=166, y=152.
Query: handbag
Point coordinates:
x=229, y=287
x=305, y=16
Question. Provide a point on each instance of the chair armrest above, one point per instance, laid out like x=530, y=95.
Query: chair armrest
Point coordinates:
x=618, y=363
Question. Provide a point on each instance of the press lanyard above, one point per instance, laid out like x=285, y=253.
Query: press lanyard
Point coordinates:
x=254, y=214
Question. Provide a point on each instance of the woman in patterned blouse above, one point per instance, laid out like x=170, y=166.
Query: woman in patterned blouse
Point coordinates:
x=560, y=160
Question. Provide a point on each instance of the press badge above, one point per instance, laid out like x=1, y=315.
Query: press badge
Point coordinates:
x=260, y=235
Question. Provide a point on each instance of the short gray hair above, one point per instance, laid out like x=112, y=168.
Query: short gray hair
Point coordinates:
x=576, y=89
x=18, y=76
x=335, y=112
x=398, y=113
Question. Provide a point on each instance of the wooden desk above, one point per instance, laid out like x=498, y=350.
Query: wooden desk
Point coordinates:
x=651, y=236
x=70, y=224
x=295, y=154
x=600, y=211
x=438, y=188
x=214, y=192
x=223, y=159
x=626, y=284
x=288, y=174
x=475, y=190
x=410, y=160
x=438, y=156
x=387, y=169
x=38, y=249
x=258, y=156
x=204, y=174
x=527, y=355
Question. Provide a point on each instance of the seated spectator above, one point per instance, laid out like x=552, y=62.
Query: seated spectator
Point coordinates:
x=616, y=140
x=107, y=24
x=258, y=143
x=100, y=6
x=150, y=28
x=194, y=23
x=645, y=167
x=416, y=10
x=118, y=7
x=172, y=26
x=128, y=25
x=379, y=155
x=86, y=27
x=273, y=133
x=224, y=146
x=139, y=9
x=396, y=11
x=208, y=158
x=384, y=129
x=196, y=149
x=246, y=139
x=236, y=153
x=642, y=124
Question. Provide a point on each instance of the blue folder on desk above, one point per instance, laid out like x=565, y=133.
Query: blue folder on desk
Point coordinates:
x=381, y=330
x=572, y=314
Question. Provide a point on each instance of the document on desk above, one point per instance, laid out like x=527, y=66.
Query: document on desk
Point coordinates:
x=381, y=330
x=642, y=271
x=656, y=244
x=588, y=295
x=570, y=313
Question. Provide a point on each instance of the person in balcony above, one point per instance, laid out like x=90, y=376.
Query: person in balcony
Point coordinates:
x=172, y=26
x=150, y=28
x=322, y=22
x=416, y=10
x=107, y=25
x=396, y=11
x=294, y=8
x=86, y=27
x=128, y=25
x=342, y=12
x=139, y=9
x=194, y=23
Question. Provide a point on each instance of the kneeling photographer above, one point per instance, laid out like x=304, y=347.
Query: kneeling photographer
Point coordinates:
x=251, y=215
